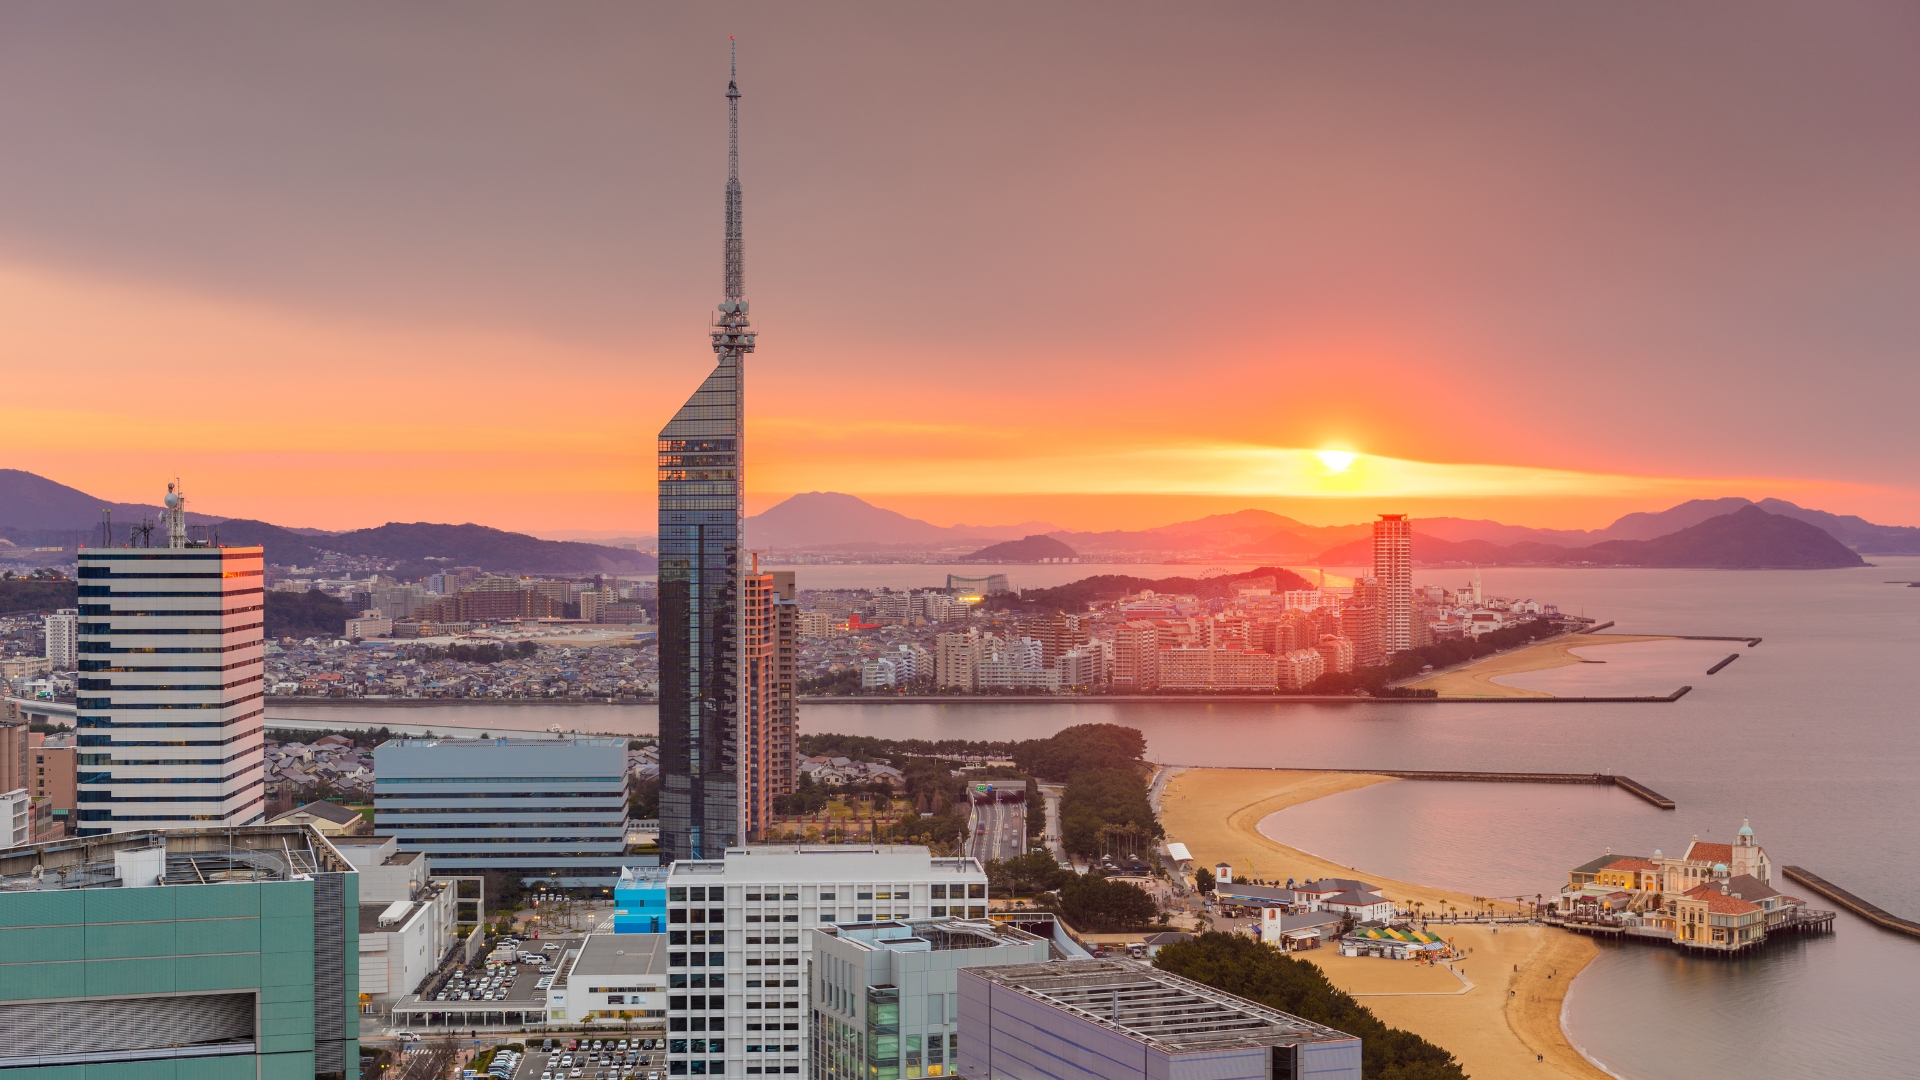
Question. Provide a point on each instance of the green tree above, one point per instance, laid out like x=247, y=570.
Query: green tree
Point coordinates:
x=1035, y=872
x=1105, y=798
x=1080, y=748
x=1203, y=880
x=1098, y=903
x=1240, y=965
x=807, y=798
x=303, y=615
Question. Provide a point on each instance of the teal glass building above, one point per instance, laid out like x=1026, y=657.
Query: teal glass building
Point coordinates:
x=200, y=954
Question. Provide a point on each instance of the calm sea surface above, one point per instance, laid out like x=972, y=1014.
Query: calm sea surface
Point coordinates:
x=1811, y=734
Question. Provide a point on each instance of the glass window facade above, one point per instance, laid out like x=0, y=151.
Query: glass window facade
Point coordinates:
x=173, y=654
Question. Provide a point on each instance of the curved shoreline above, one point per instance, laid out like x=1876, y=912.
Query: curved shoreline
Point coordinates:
x=1475, y=679
x=1495, y=1029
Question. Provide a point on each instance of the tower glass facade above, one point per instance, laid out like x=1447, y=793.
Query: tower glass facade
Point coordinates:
x=701, y=476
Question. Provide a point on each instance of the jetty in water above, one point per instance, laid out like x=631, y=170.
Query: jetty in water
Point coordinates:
x=1623, y=782
x=1873, y=913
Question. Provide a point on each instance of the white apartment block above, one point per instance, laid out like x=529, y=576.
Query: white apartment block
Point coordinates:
x=170, y=694
x=877, y=674
x=739, y=946
x=63, y=639
x=16, y=817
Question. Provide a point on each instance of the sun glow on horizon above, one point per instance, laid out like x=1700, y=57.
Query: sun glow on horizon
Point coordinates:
x=1218, y=469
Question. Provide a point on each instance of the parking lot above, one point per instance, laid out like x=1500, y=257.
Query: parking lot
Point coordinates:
x=592, y=1059
x=484, y=994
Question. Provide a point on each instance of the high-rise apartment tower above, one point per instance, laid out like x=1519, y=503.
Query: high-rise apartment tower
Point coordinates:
x=769, y=627
x=1393, y=569
x=63, y=639
x=701, y=472
x=170, y=696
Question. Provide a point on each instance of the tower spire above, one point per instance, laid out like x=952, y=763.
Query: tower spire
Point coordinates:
x=736, y=245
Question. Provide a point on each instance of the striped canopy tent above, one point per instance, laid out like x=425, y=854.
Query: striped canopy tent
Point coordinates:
x=1410, y=937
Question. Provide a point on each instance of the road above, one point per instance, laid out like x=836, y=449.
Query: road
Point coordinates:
x=1052, y=793
x=998, y=830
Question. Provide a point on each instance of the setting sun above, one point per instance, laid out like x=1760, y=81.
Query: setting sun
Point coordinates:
x=1337, y=460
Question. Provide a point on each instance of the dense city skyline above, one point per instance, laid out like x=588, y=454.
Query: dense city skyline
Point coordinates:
x=1460, y=244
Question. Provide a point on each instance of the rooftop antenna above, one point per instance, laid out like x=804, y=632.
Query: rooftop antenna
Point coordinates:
x=176, y=516
x=736, y=283
x=106, y=527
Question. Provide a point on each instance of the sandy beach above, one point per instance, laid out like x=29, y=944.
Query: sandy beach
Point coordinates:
x=1519, y=974
x=1476, y=679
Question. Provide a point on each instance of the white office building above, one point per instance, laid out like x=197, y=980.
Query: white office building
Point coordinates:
x=409, y=921
x=546, y=809
x=170, y=698
x=738, y=942
x=63, y=639
x=610, y=978
x=886, y=998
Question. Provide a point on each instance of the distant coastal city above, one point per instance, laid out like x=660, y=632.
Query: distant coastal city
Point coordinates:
x=465, y=634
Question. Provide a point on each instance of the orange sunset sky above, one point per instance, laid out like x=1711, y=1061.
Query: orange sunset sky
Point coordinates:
x=1101, y=265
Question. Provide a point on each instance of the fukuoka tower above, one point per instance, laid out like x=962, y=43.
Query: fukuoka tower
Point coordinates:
x=702, y=467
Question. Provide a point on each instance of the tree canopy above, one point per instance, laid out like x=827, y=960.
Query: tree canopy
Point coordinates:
x=36, y=593
x=304, y=615
x=1101, y=798
x=1079, y=748
x=1094, y=902
x=1240, y=965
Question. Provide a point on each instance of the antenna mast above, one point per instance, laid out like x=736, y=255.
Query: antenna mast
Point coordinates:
x=176, y=516
x=736, y=242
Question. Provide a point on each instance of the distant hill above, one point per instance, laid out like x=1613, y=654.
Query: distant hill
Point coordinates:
x=1075, y=596
x=1459, y=530
x=414, y=545
x=25, y=594
x=830, y=519
x=1748, y=538
x=1251, y=532
x=1857, y=533
x=1433, y=551
x=1646, y=526
x=1031, y=549
x=283, y=546
x=30, y=503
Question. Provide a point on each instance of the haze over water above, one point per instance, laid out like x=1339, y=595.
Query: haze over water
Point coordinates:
x=1810, y=735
